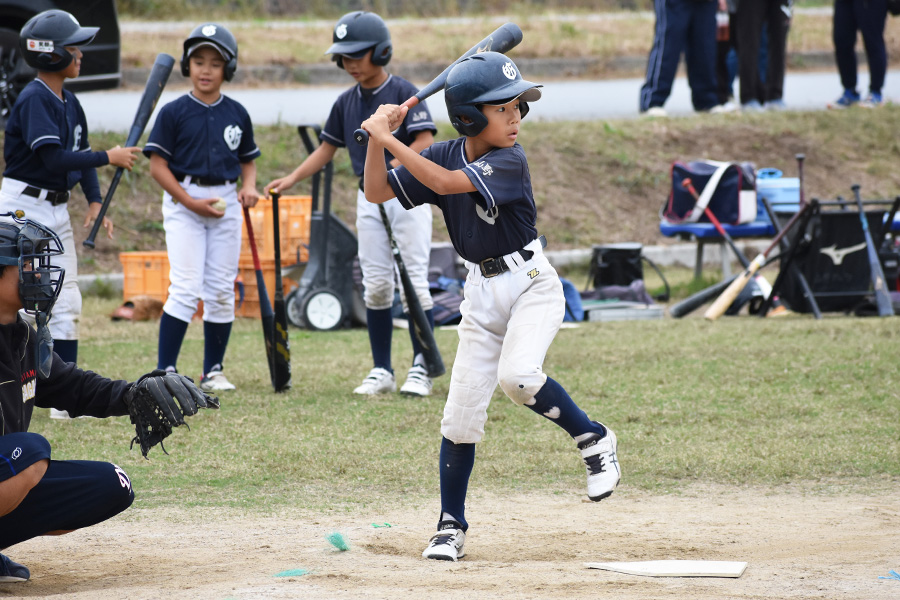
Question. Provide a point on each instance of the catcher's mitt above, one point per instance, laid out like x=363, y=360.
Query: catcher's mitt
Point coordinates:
x=159, y=401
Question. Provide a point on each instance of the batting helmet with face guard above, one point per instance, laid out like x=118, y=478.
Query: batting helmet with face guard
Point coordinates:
x=30, y=247
x=484, y=78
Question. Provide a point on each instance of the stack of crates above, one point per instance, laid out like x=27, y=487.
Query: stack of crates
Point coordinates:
x=147, y=273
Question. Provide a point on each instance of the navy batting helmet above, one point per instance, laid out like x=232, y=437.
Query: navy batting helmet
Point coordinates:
x=217, y=36
x=30, y=246
x=484, y=78
x=43, y=39
x=358, y=32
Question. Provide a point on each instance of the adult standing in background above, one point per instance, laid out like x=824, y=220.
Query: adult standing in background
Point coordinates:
x=868, y=17
x=687, y=26
x=751, y=17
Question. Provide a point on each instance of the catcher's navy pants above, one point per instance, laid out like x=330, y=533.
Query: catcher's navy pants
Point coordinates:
x=73, y=494
x=687, y=26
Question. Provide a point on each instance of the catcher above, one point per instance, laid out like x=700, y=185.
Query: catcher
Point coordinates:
x=40, y=496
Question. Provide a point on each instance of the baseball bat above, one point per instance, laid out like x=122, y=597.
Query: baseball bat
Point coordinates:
x=876, y=274
x=688, y=184
x=434, y=364
x=502, y=40
x=159, y=75
x=265, y=308
x=718, y=308
x=800, y=158
x=281, y=355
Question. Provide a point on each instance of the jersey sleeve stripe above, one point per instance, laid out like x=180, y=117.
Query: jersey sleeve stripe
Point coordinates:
x=489, y=198
x=45, y=139
x=337, y=141
x=157, y=148
x=255, y=151
x=405, y=200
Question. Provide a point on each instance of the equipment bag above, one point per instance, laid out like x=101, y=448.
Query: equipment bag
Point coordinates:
x=620, y=265
x=728, y=188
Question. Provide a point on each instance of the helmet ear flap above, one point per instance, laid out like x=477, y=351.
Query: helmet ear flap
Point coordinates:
x=476, y=120
x=381, y=53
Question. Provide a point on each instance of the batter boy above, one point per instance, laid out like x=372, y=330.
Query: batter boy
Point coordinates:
x=514, y=302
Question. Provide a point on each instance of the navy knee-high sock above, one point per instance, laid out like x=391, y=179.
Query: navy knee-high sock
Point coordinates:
x=215, y=340
x=417, y=347
x=67, y=350
x=381, y=327
x=457, y=461
x=171, y=334
x=554, y=403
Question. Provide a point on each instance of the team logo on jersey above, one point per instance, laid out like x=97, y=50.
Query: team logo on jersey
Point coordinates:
x=208, y=30
x=123, y=477
x=40, y=45
x=486, y=169
x=533, y=273
x=16, y=453
x=341, y=31
x=419, y=116
x=233, y=135
x=28, y=390
x=488, y=216
x=76, y=135
x=509, y=70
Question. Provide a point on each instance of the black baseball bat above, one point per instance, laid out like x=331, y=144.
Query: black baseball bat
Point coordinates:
x=882, y=295
x=695, y=301
x=434, y=364
x=159, y=75
x=281, y=355
x=265, y=307
x=502, y=40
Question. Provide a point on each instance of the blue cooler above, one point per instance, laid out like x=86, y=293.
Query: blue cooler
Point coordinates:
x=783, y=193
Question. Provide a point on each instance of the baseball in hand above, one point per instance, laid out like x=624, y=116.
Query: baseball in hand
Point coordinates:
x=219, y=205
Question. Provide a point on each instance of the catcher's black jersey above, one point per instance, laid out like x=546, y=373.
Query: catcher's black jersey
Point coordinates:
x=67, y=388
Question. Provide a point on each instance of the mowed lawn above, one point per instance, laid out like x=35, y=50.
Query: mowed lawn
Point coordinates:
x=742, y=401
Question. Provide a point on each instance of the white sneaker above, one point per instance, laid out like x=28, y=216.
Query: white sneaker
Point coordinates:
x=215, y=381
x=727, y=107
x=378, y=381
x=655, y=111
x=447, y=543
x=418, y=383
x=599, y=455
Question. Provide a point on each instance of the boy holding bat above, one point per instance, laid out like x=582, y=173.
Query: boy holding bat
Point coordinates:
x=362, y=47
x=200, y=146
x=47, y=152
x=514, y=302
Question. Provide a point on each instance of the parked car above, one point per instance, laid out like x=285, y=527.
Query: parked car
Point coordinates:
x=100, y=68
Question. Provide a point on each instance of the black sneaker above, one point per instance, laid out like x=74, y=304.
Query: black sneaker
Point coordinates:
x=12, y=572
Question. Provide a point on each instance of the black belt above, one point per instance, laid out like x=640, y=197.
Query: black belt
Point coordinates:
x=204, y=181
x=491, y=267
x=54, y=198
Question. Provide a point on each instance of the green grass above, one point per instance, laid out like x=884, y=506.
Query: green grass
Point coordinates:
x=743, y=402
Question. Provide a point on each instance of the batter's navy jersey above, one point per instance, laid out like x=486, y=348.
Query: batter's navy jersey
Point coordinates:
x=40, y=118
x=203, y=140
x=353, y=107
x=498, y=218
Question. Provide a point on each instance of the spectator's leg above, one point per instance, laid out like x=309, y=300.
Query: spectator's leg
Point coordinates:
x=777, y=25
x=749, y=31
x=871, y=17
x=844, y=35
x=700, y=55
x=668, y=43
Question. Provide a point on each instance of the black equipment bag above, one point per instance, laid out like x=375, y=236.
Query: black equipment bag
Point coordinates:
x=620, y=265
x=832, y=256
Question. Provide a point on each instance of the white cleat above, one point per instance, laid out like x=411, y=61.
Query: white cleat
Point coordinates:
x=447, y=543
x=418, y=383
x=378, y=381
x=215, y=381
x=599, y=455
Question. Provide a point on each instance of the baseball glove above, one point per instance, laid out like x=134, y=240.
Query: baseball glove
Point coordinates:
x=159, y=401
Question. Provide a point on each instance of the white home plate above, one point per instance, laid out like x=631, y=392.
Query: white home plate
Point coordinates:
x=675, y=568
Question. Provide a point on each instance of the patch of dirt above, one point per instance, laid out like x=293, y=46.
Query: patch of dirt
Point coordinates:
x=797, y=545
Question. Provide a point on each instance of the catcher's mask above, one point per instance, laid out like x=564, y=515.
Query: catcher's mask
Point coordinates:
x=30, y=246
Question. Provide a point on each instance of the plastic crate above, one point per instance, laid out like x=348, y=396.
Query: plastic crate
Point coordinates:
x=145, y=274
x=295, y=216
x=783, y=193
x=247, y=273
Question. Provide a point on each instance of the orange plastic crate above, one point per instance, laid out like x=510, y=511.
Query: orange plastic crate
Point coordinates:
x=250, y=307
x=295, y=215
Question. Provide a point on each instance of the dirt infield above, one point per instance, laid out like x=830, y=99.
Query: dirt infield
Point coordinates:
x=798, y=545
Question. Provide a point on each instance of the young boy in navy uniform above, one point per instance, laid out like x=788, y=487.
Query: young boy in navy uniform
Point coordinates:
x=362, y=47
x=200, y=146
x=47, y=152
x=514, y=303
x=38, y=495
